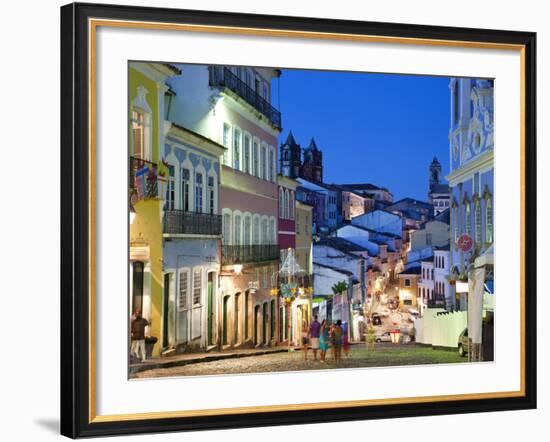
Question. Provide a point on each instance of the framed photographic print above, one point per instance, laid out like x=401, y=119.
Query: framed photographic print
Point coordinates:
x=274, y=220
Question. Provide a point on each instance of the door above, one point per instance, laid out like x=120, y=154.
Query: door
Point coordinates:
x=225, y=322
x=264, y=323
x=166, y=310
x=237, y=318
x=256, y=324
x=210, y=308
x=183, y=307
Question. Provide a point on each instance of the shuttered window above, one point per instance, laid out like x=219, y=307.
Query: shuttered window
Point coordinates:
x=183, y=289
x=197, y=284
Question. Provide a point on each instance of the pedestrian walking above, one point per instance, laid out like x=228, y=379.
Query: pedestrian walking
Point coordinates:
x=314, y=331
x=305, y=338
x=337, y=341
x=324, y=338
x=345, y=339
x=137, y=330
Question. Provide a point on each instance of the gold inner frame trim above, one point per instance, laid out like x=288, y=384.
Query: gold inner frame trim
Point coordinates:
x=93, y=24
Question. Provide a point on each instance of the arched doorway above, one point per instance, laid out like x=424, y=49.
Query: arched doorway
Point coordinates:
x=210, y=308
x=225, y=320
x=237, y=318
x=256, y=325
x=264, y=324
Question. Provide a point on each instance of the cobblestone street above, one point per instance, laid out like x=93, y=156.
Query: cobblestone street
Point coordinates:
x=384, y=355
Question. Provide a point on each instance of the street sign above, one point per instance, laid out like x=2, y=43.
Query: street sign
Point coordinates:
x=465, y=242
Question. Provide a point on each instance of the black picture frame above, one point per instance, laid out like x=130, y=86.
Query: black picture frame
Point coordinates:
x=75, y=220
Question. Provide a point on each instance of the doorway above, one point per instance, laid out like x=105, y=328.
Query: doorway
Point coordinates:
x=225, y=321
x=210, y=309
x=237, y=318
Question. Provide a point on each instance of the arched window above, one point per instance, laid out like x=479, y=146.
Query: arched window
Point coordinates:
x=467, y=218
x=226, y=228
x=246, y=231
x=489, y=220
x=264, y=239
x=291, y=205
x=477, y=219
x=256, y=231
x=281, y=203
x=272, y=233
x=286, y=208
x=237, y=231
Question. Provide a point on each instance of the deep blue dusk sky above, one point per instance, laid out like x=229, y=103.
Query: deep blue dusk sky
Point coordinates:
x=376, y=128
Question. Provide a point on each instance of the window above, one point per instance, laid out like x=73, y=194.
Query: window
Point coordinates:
x=428, y=239
x=256, y=231
x=185, y=189
x=287, y=204
x=197, y=281
x=171, y=189
x=211, y=195
x=297, y=223
x=477, y=214
x=255, y=159
x=489, y=220
x=237, y=149
x=407, y=282
x=271, y=165
x=140, y=134
x=226, y=228
x=237, y=231
x=281, y=203
x=226, y=143
x=291, y=205
x=264, y=163
x=468, y=219
x=264, y=232
x=198, y=192
x=183, y=289
x=246, y=231
x=307, y=224
x=272, y=239
x=246, y=155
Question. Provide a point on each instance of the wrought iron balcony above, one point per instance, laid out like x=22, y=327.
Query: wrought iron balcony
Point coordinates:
x=181, y=222
x=144, y=179
x=255, y=253
x=221, y=76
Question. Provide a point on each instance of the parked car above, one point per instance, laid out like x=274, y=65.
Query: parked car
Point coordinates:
x=384, y=337
x=463, y=343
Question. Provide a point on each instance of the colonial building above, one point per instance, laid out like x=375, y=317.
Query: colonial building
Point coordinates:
x=439, y=193
x=192, y=231
x=380, y=196
x=231, y=105
x=471, y=176
x=147, y=191
x=426, y=284
x=408, y=286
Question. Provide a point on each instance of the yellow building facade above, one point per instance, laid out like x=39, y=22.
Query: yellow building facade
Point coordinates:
x=147, y=189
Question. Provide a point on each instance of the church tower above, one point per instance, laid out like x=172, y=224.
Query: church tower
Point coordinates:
x=290, y=160
x=312, y=167
x=435, y=172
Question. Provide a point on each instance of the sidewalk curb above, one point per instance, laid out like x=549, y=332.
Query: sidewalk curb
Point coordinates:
x=138, y=368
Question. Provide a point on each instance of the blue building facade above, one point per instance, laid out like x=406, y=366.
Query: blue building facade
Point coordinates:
x=471, y=176
x=192, y=231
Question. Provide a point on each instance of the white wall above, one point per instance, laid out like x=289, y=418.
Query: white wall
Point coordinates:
x=35, y=50
x=440, y=330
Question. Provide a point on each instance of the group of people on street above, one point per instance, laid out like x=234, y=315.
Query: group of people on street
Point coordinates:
x=321, y=336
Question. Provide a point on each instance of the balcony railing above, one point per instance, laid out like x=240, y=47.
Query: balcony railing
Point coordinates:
x=223, y=77
x=181, y=222
x=255, y=253
x=144, y=179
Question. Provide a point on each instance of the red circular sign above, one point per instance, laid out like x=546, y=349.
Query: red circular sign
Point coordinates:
x=465, y=242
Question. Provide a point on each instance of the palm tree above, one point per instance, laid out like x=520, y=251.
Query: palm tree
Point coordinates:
x=339, y=287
